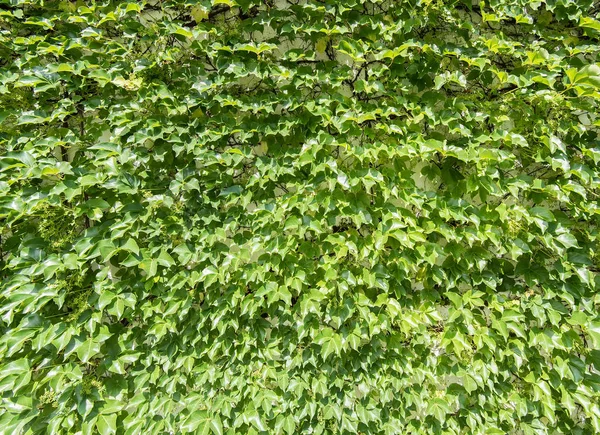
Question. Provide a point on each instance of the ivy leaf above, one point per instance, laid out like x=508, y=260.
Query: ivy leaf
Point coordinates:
x=289, y=426
x=131, y=246
x=106, y=424
x=439, y=408
x=587, y=77
x=200, y=422
x=543, y=213
x=567, y=240
x=88, y=349
x=199, y=13
x=593, y=331
x=330, y=342
x=590, y=23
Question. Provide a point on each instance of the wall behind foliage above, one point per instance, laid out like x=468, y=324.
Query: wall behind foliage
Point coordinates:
x=301, y=216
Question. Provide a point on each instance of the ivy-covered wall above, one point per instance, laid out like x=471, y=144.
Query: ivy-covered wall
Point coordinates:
x=299, y=216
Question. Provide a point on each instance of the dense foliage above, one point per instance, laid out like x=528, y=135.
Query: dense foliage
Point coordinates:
x=299, y=216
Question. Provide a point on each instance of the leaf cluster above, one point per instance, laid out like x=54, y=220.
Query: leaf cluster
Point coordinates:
x=299, y=216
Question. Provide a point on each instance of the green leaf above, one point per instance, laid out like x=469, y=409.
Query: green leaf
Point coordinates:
x=164, y=259
x=567, y=240
x=331, y=343
x=183, y=32
x=543, y=213
x=588, y=76
x=131, y=246
x=593, y=331
x=88, y=349
x=438, y=408
x=201, y=423
x=106, y=424
x=590, y=23
x=289, y=426
x=469, y=384
x=32, y=117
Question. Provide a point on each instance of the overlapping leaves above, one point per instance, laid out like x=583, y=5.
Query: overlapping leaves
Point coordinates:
x=290, y=216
